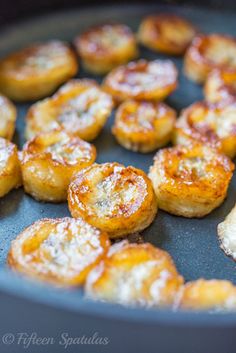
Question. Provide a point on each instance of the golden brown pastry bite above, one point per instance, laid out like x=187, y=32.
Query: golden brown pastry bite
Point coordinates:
x=104, y=47
x=79, y=107
x=211, y=124
x=10, y=173
x=143, y=126
x=209, y=52
x=213, y=295
x=61, y=251
x=142, y=80
x=135, y=274
x=220, y=86
x=119, y=200
x=7, y=118
x=190, y=181
x=227, y=234
x=50, y=160
x=36, y=71
x=166, y=33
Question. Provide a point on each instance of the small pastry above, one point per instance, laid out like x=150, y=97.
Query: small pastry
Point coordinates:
x=79, y=107
x=50, y=160
x=36, y=71
x=227, y=234
x=143, y=126
x=119, y=200
x=60, y=251
x=190, y=181
x=7, y=118
x=136, y=275
x=104, y=47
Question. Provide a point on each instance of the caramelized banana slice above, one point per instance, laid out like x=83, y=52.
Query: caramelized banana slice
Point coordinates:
x=216, y=295
x=79, y=107
x=114, y=198
x=209, y=52
x=60, y=251
x=143, y=126
x=190, y=181
x=10, y=174
x=227, y=234
x=50, y=160
x=36, y=71
x=7, y=118
x=142, y=80
x=135, y=274
x=220, y=86
x=166, y=33
x=104, y=47
x=211, y=124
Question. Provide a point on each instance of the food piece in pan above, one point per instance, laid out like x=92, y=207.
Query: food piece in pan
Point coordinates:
x=61, y=251
x=119, y=200
x=166, y=33
x=135, y=274
x=7, y=118
x=10, y=173
x=142, y=80
x=220, y=86
x=227, y=234
x=104, y=47
x=209, y=52
x=211, y=124
x=79, y=107
x=143, y=126
x=50, y=160
x=36, y=71
x=190, y=181
x=213, y=295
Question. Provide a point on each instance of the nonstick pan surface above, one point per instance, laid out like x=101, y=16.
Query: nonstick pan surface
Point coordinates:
x=192, y=243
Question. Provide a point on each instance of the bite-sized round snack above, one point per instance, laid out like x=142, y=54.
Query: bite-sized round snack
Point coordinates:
x=61, y=251
x=7, y=118
x=166, y=33
x=50, y=160
x=10, y=173
x=119, y=200
x=79, y=107
x=213, y=295
x=210, y=124
x=142, y=80
x=220, y=86
x=36, y=71
x=209, y=52
x=190, y=181
x=143, y=126
x=104, y=47
x=135, y=274
x=227, y=234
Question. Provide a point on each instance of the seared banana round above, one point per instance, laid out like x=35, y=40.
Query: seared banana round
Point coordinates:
x=209, y=52
x=113, y=198
x=7, y=118
x=143, y=126
x=79, y=107
x=61, y=251
x=190, y=181
x=214, y=295
x=50, y=160
x=220, y=86
x=10, y=173
x=211, y=124
x=36, y=71
x=135, y=274
x=166, y=33
x=104, y=47
x=142, y=80
x=227, y=234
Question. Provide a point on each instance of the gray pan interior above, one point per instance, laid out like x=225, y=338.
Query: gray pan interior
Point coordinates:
x=192, y=243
